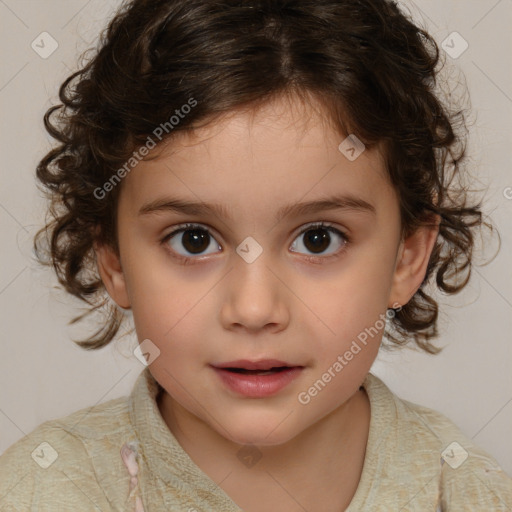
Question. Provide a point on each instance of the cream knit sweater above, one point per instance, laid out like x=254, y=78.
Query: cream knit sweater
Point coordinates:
x=120, y=456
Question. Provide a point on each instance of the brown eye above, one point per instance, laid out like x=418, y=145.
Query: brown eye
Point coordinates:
x=195, y=240
x=318, y=238
x=191, y=240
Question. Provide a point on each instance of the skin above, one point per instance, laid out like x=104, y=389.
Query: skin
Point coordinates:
x=284, y=305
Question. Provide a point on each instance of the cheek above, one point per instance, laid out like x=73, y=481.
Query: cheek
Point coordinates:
x=167, y=316
x=347, y=301
x=347, y=309
x=160, y=294
x=170, y=310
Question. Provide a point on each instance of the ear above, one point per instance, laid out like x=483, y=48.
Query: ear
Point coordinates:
x=412, y=261
x=109, y=267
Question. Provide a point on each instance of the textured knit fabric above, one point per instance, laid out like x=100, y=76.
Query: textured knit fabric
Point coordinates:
x=120, y=456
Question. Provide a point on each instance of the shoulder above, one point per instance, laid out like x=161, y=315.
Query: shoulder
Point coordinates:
x=470, y=477
x=57, y=459
x=419, y=443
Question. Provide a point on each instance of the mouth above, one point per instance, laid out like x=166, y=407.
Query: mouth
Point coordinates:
x=257, y=379
x=270, y=371
x=261, y=367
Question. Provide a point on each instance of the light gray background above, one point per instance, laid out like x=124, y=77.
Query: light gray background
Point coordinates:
x=43, y=375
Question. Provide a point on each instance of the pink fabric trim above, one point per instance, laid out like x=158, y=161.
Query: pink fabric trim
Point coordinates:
x=129, y=457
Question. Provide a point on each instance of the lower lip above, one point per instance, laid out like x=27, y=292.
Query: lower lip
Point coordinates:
x=258, y=386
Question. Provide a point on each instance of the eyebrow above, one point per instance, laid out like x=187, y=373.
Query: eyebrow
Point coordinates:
x=346, y=202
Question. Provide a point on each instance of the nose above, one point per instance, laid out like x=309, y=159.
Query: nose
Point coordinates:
x=254, y=299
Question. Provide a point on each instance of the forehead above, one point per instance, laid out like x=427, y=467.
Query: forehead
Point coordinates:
x=257, y=160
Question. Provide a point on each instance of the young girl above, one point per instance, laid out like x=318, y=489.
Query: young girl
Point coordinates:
x=270, y=187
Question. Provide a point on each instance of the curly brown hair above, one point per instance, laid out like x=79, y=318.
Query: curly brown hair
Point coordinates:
x=372, y=68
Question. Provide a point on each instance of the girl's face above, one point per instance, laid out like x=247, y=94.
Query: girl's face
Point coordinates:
x=257, y=239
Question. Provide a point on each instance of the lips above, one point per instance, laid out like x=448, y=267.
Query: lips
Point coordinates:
x=257, y=379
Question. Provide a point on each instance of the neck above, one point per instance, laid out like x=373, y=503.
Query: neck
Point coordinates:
x=329, y=454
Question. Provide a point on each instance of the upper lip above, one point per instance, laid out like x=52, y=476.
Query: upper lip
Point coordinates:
x=262, y=364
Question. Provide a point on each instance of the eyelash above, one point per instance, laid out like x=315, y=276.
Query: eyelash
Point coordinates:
x=312, y=259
